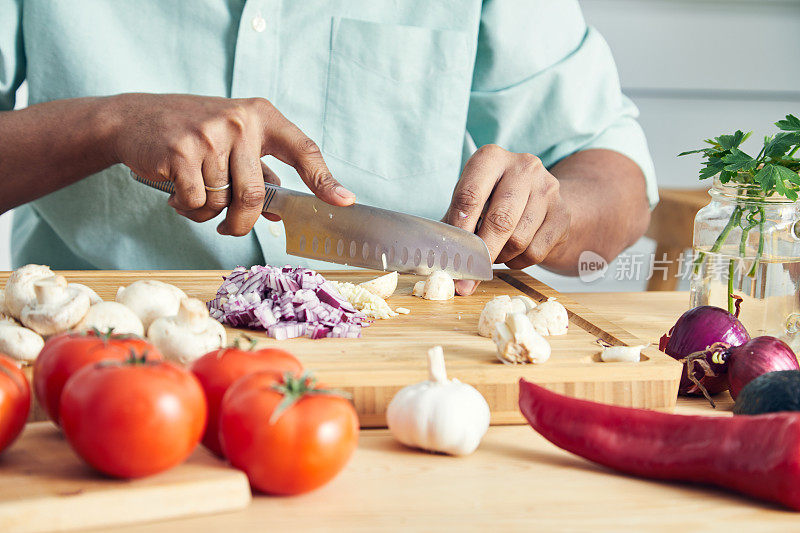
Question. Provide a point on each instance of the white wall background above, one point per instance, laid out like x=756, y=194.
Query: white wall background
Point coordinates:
x=695, y=68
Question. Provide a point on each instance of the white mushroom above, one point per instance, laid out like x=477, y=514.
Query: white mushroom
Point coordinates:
x=20, y=343
x=438, y=286
x=518, y=342
x=188, y=335
x=549, y=318
x=56, y=308
x=114, y=316
x=151, y=299
x=497, y=308
x=382, y=286
x=3, y=310
x=94, y=298
x=19, y=287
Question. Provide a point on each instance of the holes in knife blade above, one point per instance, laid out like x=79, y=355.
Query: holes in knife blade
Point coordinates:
x=469, y=263
x=417, y=257
x=378, y=251
x=391, y=254
x=327, y=245
x=456, y=261
x=353, y=248
x=404, y=255
x=431, y=258
x=340, y=248
x=443, y=260
x=365, y=251
x=302, y=242
x=314, y=244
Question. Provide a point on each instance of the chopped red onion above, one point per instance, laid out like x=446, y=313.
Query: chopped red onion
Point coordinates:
x=285, y=302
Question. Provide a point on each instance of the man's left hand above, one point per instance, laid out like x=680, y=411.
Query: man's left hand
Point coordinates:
x=513, y=203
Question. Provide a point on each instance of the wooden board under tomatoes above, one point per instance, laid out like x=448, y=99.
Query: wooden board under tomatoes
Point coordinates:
x=44, y=486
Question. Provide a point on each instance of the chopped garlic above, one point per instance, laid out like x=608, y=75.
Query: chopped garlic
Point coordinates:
x=402, y=310
x=275, y=229
x=363, y=300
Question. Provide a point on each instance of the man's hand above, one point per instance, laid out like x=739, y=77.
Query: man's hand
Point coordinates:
x=513, y=203
x=198, y=141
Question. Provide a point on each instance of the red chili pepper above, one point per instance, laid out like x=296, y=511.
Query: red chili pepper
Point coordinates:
x=755, y=455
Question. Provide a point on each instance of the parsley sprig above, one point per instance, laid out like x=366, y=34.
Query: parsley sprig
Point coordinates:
x=774, y=171
x=775, y=168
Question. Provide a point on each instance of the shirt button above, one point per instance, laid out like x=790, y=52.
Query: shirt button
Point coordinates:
x=259, y=24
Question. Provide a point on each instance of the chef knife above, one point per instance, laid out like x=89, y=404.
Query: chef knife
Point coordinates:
x=369, y=237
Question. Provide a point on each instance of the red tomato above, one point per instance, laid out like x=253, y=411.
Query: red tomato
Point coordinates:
x=15, y=401
x=133, y=418
x=218, y=370
x=64, y=355
x=293, y=451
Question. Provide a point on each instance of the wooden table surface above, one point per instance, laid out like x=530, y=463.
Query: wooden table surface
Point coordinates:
x=515, y=481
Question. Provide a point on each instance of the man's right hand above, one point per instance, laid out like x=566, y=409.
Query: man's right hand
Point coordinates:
x=198, y=141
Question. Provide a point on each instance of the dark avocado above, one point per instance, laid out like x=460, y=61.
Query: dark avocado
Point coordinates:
x=770, y=393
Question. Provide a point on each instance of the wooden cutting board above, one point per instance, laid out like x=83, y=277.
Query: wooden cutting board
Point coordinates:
x=44, y=486
x=392, y=352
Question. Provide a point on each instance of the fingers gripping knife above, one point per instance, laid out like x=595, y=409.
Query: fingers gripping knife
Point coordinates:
x=370, y=237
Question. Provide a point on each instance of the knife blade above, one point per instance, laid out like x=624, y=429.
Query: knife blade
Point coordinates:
x=370, y=237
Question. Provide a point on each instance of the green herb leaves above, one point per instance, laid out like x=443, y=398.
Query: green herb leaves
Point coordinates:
x=790, y=123
x=774, y=169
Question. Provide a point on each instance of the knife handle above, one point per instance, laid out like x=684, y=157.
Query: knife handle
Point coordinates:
x=278, y=198
x=274, y=202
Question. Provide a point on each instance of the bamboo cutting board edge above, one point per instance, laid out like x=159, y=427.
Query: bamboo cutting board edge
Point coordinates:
x=390, y=354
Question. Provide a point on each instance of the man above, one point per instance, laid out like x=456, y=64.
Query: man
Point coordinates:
x=396, y=95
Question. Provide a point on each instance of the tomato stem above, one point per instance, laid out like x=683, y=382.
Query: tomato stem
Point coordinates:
x=293, y=389
x=237, y=343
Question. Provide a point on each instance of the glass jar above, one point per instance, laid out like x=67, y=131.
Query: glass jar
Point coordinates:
x=746, y=246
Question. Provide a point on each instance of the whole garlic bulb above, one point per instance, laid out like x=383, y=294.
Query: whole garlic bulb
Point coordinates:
x=439, y=415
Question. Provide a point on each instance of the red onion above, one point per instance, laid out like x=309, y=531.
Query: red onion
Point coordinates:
x=754, y=358
x=695, y=331
x=285, y=302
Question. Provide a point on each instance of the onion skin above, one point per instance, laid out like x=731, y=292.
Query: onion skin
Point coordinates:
x=696, y=330
x=756, y=357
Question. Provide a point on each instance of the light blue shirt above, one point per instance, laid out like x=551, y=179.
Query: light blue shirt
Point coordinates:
x=397, y=93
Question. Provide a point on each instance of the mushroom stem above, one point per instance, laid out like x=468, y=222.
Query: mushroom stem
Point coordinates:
x=51, y=291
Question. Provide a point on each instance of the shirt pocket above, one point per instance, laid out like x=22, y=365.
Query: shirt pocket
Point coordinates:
x=396, y=98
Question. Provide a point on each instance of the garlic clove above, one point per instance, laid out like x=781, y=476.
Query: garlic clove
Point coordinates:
x=419, y=289
x=549, y=318
x=518, y=342
x=439, y=286
x=521, y=304
x=622, y=354
x=382, y=286
x=493, y=312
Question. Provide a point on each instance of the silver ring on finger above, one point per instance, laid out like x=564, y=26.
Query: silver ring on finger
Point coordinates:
x=217, y=189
